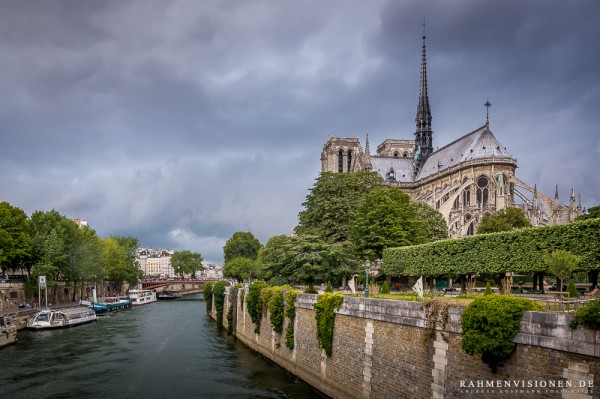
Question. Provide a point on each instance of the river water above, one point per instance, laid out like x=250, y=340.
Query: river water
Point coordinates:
x=168, y=349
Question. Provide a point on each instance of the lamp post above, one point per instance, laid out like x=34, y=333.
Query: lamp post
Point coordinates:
x=367, y=265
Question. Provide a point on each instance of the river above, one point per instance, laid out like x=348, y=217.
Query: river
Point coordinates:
x=167, y=349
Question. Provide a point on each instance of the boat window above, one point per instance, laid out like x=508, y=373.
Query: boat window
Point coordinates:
x=42, y=317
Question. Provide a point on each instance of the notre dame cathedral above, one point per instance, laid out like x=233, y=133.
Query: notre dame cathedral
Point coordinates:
x=471, y=177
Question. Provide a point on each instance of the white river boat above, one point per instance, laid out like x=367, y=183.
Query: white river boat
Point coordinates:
x=58, y=318
x=142, y=297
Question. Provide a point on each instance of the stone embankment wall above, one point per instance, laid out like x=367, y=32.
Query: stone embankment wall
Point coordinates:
x=389, y=349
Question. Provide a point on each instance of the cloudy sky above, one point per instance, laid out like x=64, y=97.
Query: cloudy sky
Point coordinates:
x=182, y=121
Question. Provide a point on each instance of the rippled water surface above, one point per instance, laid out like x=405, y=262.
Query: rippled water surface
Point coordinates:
x=168, y=349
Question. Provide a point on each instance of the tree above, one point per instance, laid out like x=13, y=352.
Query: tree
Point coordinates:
x=435, y=225
x=309, y=258
x=84, y=262
x=186, y=262
x=330, y=206
x=117, y=264
x=503, y=220
x=241, y=244
x=242, y=269
x=593, y=212
x=15, y=242
x=385, y=218
x=561, y=264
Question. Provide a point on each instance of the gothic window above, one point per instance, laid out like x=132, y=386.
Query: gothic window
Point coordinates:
x=482, y=192
x=349, y=160
x=405, y=155
x=396, y=154
x=456, y=204
x=467, y=197
x=469, y=222
x=341, y=161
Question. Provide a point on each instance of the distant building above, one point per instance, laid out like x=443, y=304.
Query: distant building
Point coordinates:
x=471, y=177
x=155, y=262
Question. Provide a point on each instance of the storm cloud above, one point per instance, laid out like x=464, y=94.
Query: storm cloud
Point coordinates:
x=181, y=122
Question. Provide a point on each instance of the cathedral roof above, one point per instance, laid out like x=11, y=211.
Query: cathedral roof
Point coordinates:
x=478, y=144
x=402, y=167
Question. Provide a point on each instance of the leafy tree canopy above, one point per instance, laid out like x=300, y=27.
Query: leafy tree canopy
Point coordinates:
x=242, y=269
x=186, y=262
x=117, y=264
x=503, y=220
x=386, y=218
x=241, y=245
x=435, y=225
x=330, y=206
x=15, y=243
x=593, y=212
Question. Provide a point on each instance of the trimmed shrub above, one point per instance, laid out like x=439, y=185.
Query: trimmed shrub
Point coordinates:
x=329, y=288
x=385, y=289
x=489, y=325
x=311, y=290
x=488, y=289
x=572, y=290
x=588, y=316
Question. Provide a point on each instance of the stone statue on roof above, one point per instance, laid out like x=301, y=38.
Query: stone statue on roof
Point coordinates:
x=417, y=155
x=501, y=181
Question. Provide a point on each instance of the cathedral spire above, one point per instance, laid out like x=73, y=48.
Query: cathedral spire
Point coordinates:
x=423, y=134
x=368, y=165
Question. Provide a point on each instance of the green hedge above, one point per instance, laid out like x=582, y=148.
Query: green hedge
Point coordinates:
x=520, y=251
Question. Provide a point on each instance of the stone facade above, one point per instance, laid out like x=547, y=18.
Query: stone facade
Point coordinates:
x=465, y=180
x=386, y=349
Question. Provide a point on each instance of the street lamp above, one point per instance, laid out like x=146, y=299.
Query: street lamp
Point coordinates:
x=367, y=265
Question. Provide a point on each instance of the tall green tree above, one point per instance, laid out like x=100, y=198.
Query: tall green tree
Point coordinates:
x=273, y=257
x=85, y=261
x=561, y=264
x=186, y=262
x=241, y=245
x=386, y=218
x=118, y=267
x=331, y=203
x=309, y=259
x=15, y=242
x=503, y=220
x=242, y=269
x=435, y=225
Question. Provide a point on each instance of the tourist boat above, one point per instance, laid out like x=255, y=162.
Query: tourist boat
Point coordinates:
x=108, y=305
x=142, y=297
x=57, y=318
x=8, y=331
x=170, y=295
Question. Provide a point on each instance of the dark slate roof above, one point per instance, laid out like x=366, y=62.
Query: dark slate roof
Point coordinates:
x=478, y=144
x=403, y=167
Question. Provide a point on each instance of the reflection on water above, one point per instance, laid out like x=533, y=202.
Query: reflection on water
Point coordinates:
x=169, y=349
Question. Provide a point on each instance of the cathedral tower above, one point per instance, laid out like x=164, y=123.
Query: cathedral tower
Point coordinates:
x=423, y=134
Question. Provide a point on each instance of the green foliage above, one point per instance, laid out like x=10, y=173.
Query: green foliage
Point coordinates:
x=587, y=316
x=329, y=207
x=276, y=308
x=207, y=290
x=572, y=290
x=325, y=315
x=15, y=242
x=311, y=290
x=255, y=305
x=241, y=245
x=218, y=291
x=503, y=220
x=385, y=289
x=489, y=325
x=592, y=213
x=290, y=313
x=488, y=289
x=385, y=218
x=186, y=262
x=561, y=264
x=307, y=258
x=521, y=251
x=329, y=287
x=241, y=268
x=434, y=224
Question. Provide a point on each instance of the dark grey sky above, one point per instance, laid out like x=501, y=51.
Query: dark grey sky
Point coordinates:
x=183, y=121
